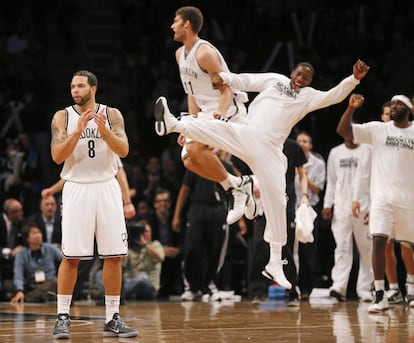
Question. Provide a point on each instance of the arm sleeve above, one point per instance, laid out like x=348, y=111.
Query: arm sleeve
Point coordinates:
x=360, y=191
x=329, y=198
x=362, y=133
x=18, y=270
x=250, y=82
x=321, y=99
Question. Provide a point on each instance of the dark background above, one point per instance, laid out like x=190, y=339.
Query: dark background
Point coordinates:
x=128, y=45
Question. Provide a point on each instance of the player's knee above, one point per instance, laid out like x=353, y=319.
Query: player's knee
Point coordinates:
x=193, y=149
x=188, y=163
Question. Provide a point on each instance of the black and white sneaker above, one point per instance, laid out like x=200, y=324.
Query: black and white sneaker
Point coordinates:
x=62, y=325
x=241, y=198
x=338, y=295
x=380, y=303
x=274, y=271
x=117, y=328
x=164, y=120
x=395, y=296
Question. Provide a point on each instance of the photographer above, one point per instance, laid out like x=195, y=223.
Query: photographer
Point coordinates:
x=142, y=266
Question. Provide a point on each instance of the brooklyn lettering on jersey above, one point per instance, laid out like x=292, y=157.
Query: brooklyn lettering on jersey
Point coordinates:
x=90, y=133
x=188, y=72
x=400, y=142
x=283, y=89
x=348, y=162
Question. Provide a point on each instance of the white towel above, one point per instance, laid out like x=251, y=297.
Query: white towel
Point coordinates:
x=305, y=216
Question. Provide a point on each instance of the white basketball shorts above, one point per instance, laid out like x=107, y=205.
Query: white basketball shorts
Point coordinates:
x=93, y=210
x=391, y=221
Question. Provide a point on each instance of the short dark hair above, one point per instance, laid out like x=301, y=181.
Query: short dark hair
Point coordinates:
x=26, y=230
x=307, y=65
x=193, y=15
x=92, y=79
x=385, y=104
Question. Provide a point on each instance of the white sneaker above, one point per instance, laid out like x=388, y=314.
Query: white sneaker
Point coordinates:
x=241, y=196
x=164, y=120
x=394, y=296
x=253, y=206
x=274, y=272
x=189, y=296
x=380, y=303
x=365, y=296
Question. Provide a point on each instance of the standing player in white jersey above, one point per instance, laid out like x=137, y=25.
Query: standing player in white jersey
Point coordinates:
x=280, y=104
x=198, y=60
x=87, y=137
x=392, y=181
x=346, y=162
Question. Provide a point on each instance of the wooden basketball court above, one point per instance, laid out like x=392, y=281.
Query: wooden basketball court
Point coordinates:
x=165, y=322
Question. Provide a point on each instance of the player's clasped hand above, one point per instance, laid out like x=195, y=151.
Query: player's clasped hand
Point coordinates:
x=360, y=69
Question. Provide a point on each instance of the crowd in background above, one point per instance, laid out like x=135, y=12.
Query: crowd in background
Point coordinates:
x=254, y=36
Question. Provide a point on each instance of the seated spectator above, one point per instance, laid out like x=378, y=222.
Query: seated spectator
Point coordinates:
x=10, y=242
x=49, y=220
x=171, y=282
x=142, y=266
x=35, y=267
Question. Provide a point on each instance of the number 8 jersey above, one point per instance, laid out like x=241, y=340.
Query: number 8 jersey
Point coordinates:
x=92, y=160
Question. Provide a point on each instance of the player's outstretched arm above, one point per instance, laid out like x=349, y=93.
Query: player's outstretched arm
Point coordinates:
x=344, y=127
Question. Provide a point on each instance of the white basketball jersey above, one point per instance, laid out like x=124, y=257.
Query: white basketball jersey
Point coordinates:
x=91, y=160
x=197, y=82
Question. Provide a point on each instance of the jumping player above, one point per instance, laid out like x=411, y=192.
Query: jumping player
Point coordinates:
x=198, y=60
x=280, y=104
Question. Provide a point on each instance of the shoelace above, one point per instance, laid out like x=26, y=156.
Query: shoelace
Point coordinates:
x=61, y=322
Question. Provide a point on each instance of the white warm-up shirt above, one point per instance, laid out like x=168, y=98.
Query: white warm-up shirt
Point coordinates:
x=278, y=107
x=392, y=169
x=345, y=167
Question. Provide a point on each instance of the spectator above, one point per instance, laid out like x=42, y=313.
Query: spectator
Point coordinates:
x=48, y=220
x=35, y=267
x=160, y=222
x=10, y=241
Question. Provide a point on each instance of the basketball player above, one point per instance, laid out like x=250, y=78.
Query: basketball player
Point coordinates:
x=87, y=137
x=280, y=104
x=198, y=60
x=392, y=183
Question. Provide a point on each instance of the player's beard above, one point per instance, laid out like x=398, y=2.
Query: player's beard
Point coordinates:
x=83, y=99
x=399, y=116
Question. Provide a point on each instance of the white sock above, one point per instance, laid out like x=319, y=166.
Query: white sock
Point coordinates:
x=63, y=303
x=230, y=182
x=275, y=252
x=379, y=285
x=393, y=286
x=112, y=306
x=409, y=279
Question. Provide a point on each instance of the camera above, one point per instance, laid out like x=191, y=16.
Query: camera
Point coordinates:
x=135, y=230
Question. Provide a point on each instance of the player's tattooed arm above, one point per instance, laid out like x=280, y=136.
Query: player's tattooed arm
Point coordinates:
x=61, y=144
x=118, y=125
x=118, y=140
x=57, y=134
